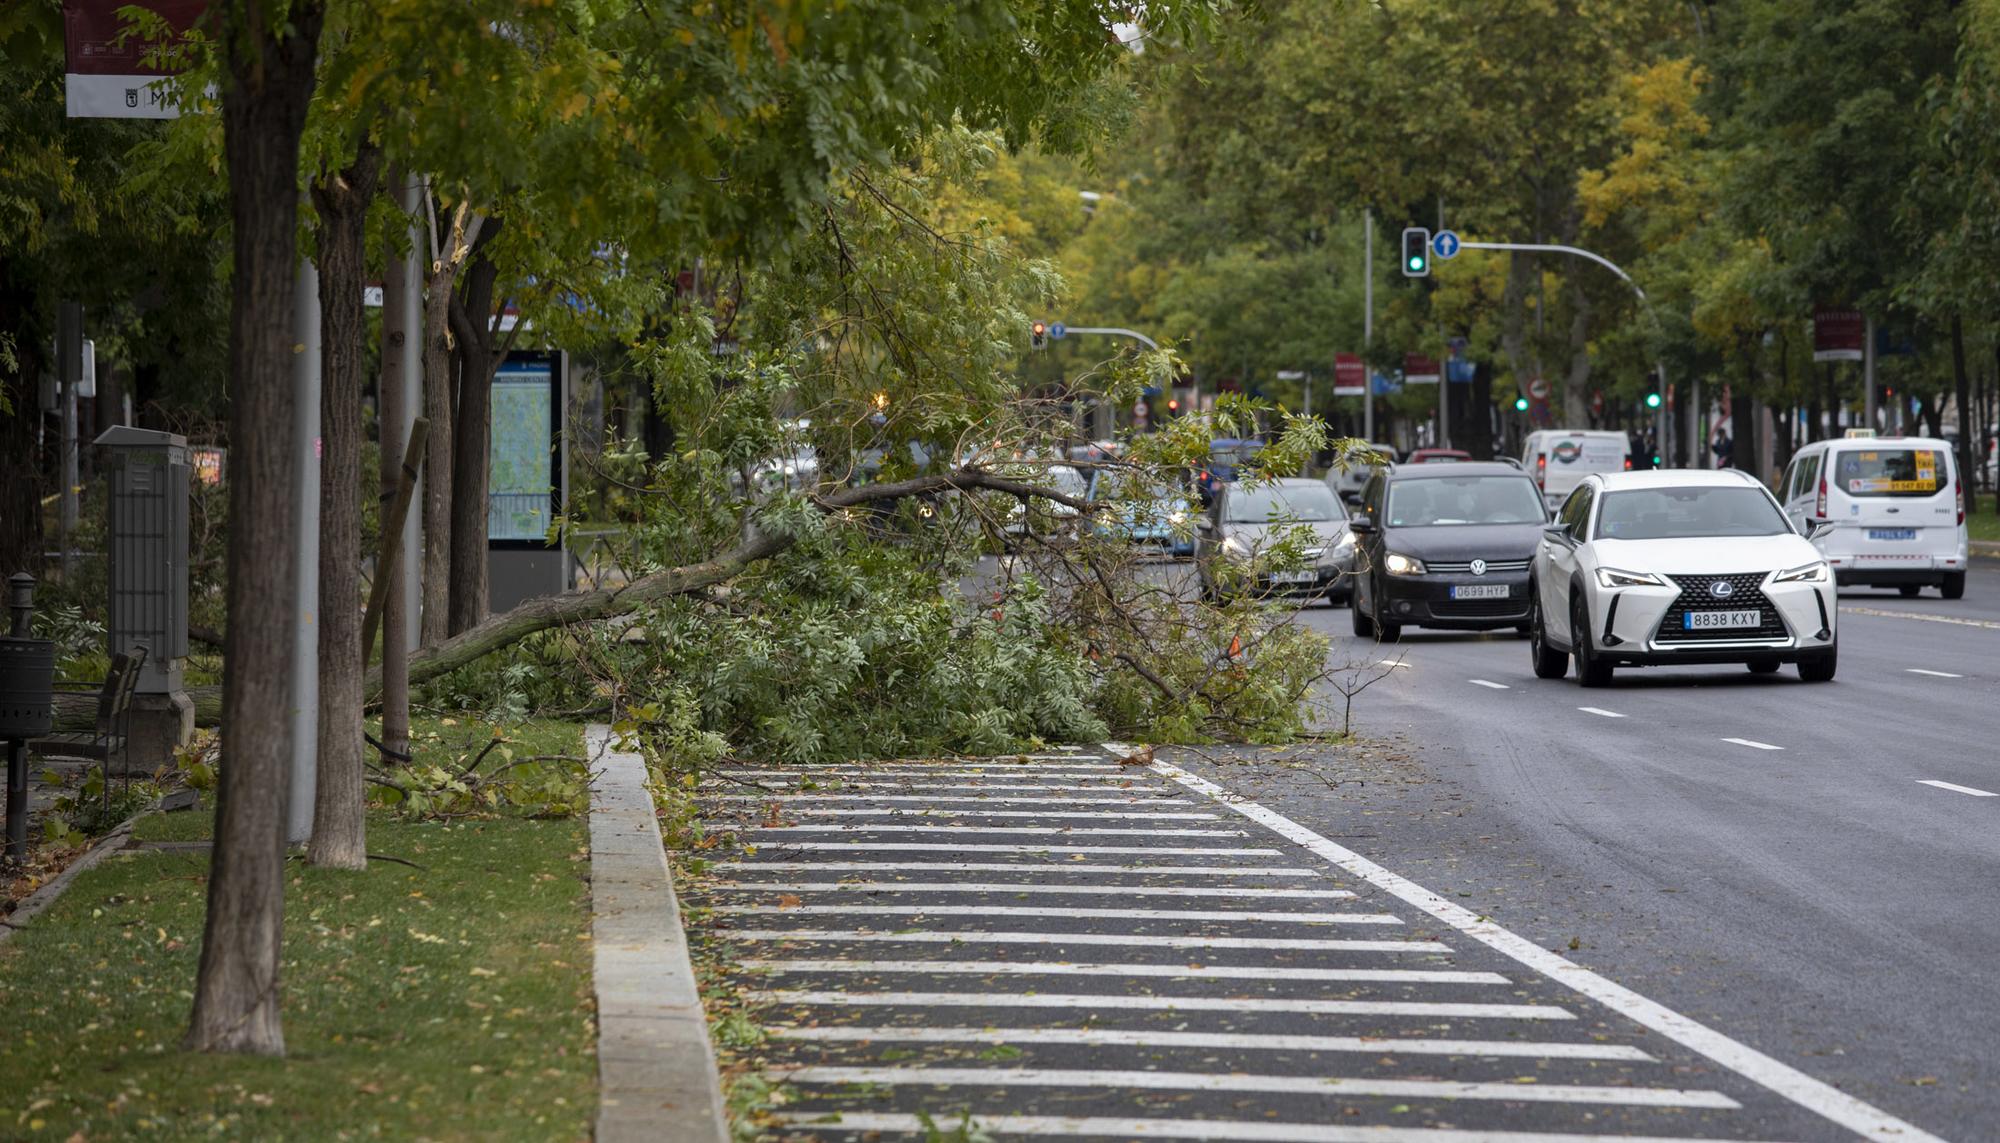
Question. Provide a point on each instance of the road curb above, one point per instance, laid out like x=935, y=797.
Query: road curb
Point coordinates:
x=657, y=1079
x=1989, y=549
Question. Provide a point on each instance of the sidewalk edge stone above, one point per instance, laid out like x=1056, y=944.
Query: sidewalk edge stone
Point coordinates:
x=657, y=1078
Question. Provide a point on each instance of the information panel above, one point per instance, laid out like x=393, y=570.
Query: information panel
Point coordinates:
x=522, y=478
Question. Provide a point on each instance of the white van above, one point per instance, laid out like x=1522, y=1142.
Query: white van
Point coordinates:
x=1893, y=506
x=1559, y=459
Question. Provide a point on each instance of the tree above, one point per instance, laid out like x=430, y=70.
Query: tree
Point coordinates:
x=267, y=54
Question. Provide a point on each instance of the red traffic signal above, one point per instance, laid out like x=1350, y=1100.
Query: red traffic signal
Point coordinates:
x=1040, y=334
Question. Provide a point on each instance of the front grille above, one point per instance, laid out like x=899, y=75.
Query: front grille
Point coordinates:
x=1746, y=592
x=1478, y=608
x=1463, y=567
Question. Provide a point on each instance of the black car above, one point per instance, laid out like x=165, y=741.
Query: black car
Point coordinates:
x=1445, y=545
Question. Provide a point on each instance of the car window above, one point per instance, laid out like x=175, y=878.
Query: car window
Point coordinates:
x=1809, y=478
x=1688, y=512
x=1301, y=502
x=1789, y=486
x=1890, y=471
x=1443, y=501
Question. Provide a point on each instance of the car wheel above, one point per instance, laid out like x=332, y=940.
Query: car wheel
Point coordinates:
x=1549, y=663
x=1591, y=671
x=1953, y=586
x=1763, y=666
x=1820, y=670
x=1363, y=626
x=1909, y=590
x=1386, y=630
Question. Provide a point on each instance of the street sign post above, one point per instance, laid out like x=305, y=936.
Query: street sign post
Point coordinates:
x=1445, y=244
x=1058, y=331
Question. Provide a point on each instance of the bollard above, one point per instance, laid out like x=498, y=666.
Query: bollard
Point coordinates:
x=27, y=704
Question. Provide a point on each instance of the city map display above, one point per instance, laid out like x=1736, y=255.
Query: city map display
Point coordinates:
x=521, y=477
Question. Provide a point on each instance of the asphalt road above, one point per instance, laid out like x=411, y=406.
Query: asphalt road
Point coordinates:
x=1756, y=852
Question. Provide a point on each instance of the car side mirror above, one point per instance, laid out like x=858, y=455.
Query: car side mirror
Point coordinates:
x=1559, y=533
x=1204, y=524
x=1361, y=526
x=1817, y=528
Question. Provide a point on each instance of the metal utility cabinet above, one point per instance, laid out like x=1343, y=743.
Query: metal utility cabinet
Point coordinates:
x=147, y=533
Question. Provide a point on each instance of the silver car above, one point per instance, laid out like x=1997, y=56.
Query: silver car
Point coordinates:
x=1235, y=538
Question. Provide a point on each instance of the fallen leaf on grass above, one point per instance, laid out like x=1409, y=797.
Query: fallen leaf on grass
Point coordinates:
x=478, y=971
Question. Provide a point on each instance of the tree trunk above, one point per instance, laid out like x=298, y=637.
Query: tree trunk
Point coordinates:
x=1743, y=430
x=1479, y=417
x=339, y=830
x=440, y=402
x=267, y=83
x=471, y=321
x=397, y=282
x=1576, y=384
x=1969, y=428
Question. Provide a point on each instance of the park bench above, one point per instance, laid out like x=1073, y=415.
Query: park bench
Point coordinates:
x=106, y=740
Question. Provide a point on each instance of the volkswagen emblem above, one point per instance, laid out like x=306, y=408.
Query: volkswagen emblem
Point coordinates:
x=1722, y=589
x=1479, y=567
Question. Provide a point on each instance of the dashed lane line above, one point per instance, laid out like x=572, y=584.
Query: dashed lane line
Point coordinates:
x=1233, y=891
x=1932, y=674
x=1958, y=789
x=1221, y=1130
x=1058, y=831
x=1752, y=744
x=1011, y=787
x=929, y=799
x=1147, y=1038
x=1600, y=712
x=1054, y=911
x=965, y=847
x=1798, y=1087
x=1094, y=815
x=1957, y=621
x=1131, y=940
x=838, y=998
x=1235, y=1082
x=1022, y=867
x=1489, y=684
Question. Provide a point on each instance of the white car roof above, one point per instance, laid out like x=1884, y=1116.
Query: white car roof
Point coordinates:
x=1676, y=478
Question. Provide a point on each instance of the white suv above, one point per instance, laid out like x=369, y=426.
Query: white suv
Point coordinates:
x=1678, y=566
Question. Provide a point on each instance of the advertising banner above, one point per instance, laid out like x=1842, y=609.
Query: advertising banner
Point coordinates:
x=104, y=73
x=1837, y=335
x=1350, y=376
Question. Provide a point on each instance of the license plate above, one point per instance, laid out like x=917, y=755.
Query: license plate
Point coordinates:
x=1892, y=533
x=1711, y=620
x=1480, y=591
x=1292, y=577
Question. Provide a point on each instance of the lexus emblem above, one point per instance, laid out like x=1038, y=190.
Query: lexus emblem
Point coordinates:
x=1479, y=567
x=1722, y=589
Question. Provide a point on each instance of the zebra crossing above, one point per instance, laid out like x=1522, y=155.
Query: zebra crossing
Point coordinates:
x=1129, y=952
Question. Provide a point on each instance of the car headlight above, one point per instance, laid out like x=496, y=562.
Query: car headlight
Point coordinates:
x=1176, y=518
x=1236, y=547
x=1814, y=572
x=1612, y=577
x=1400, y=564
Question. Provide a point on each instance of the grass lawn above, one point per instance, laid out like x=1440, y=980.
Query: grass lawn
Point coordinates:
x=1984, y=524
x=450, y=1002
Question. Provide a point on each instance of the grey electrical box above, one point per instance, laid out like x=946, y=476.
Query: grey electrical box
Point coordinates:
x=148, y=538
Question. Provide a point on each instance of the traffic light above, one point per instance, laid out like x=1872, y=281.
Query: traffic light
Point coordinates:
x=1520, y=404
x=1653, y=400
x=1416, y=251
x=1040, y=332
x=1173, y=406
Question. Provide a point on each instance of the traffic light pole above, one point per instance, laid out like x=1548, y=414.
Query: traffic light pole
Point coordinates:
x=1367, y=324
x=1579, y=252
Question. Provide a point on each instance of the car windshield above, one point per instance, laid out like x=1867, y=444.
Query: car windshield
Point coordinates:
x=1305, y=503
x=1684, y=513
x=1066, y=480
x=1464, y=500
x=1889, y=472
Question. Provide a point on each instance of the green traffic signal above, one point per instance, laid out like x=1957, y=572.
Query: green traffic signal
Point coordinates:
x=1652, y=400
x=1520, y=404
x=1416, y=264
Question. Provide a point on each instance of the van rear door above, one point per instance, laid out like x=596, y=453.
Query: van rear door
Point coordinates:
x=1894, y=500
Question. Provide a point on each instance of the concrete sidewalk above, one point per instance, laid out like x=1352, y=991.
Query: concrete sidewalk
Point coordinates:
x=657, y=1077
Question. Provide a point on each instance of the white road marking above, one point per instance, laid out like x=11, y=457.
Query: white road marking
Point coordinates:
x=1072, y=771
x=962, y=847
x=1094, y=815
x=1023, y=867
x=1286, y=1085
x=1932, y=674
x=1600, y=712
x=1221, y=1130
x=1054, y=911
x=1802, y=1089
x=1146, y=1038
x=1753, y=744
x=975, y=830
x=1132, y=799
x=1955, y=788
x=1988, y=624
x=1489, y=684
x=845, y=999
x=1128, y=940
x=1011, y=887
x=919, y=784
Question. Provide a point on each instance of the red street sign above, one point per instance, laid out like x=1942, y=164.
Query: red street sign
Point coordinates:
x=1838, y=335
x=1420, y=370
x=1350, y=376
x=104, y=77
x=1538, y=388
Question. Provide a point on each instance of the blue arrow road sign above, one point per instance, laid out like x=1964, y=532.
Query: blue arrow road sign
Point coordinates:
x=1444, y=244
x=1058, y=331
